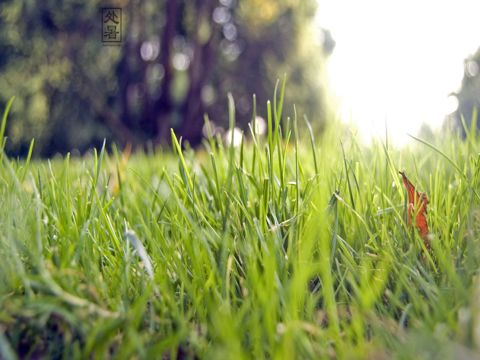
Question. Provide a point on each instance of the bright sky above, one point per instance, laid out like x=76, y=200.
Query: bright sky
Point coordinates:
x=397, y=61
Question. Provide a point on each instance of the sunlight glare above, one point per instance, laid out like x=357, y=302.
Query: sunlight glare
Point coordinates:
x=395, y=64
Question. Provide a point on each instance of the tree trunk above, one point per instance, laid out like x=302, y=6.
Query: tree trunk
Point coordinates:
x=163, y=107
x=199, y=71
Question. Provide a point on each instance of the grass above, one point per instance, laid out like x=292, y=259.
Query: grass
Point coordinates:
x=286, y=247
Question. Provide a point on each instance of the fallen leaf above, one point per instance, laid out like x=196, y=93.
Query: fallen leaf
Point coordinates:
x=417, y=205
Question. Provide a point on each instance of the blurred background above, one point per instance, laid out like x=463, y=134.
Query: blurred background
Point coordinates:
x=403, y=66
x=367, y=62
x=176, y=61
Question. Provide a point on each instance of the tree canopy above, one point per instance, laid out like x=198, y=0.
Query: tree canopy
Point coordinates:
x=469, y=94
x=177, y=61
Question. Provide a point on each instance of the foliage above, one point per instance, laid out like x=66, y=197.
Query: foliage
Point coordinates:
x=280, y=248
x=469, y=94
x=178, y=60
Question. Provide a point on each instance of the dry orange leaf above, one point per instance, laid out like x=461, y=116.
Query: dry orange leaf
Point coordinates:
x=417, y=205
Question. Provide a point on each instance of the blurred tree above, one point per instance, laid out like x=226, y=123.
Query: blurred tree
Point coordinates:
x=57, y=75
x=177, y=61
x=469, y=94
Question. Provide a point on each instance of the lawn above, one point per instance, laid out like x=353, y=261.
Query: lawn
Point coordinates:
x=285, y=247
